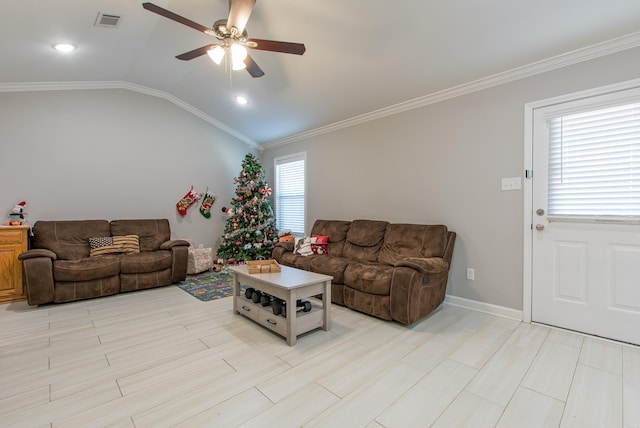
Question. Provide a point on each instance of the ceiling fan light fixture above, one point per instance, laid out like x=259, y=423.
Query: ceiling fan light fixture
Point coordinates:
x=238, y=55
x=238, y=52
x=237, y=64
x=216, y=54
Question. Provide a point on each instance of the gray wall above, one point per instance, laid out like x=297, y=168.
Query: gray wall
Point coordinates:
x=113, y=154
x=443, y=163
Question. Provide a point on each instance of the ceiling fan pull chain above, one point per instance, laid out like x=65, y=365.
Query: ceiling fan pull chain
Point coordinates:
x=228, y=70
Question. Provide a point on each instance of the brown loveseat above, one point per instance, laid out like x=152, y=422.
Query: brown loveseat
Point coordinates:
x=62, y=267
x=391, y=271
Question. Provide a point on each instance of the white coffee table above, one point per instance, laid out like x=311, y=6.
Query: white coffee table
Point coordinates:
x=289, y=285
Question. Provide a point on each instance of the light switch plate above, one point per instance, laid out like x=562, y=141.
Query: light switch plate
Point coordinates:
x=513, y=183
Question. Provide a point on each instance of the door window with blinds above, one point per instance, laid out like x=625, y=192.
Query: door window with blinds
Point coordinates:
x=594, y=164
x=290, y=193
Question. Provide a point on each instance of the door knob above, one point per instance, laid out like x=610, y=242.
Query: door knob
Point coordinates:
x=539, y=227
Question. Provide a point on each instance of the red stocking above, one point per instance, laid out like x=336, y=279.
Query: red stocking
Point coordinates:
x=187, y=200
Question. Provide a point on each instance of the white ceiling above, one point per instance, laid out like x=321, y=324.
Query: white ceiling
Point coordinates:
x=362, y=55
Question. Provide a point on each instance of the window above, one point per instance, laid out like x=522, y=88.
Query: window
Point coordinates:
x=594, y=163
x=290, y=193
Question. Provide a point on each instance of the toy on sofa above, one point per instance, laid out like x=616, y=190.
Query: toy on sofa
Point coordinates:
x=285, y=236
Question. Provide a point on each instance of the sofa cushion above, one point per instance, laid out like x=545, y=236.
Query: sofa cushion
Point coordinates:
x=372, y=278
x=333, y=266
x=296, y=260
x=86, y=269
x=336, y=230
x=364, y=239
x=143, y=262
x=68, y=239
x=152, y=233
x=412, y=240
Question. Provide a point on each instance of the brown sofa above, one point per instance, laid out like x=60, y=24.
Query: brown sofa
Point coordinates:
x=60, y=266
x=391, y=271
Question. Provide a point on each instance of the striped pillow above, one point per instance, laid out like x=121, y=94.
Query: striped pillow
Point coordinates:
x=129, y=243
x=114, y=245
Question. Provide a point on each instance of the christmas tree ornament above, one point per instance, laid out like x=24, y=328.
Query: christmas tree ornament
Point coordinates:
x=207, y=200
x=187, y=200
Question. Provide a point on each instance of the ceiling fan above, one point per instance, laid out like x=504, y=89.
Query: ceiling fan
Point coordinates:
x=232, y=34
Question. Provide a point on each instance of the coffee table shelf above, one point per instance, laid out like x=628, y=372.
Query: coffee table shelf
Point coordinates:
x=289, y=285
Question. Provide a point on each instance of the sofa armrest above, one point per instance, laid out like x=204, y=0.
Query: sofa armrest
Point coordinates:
x=174, y=243
x=415, y=294
x=288, y=246
x=37, y=276
x=425, y=266
x=179, y=261
x=280, y=249
x=32, y=254
x=448, y=251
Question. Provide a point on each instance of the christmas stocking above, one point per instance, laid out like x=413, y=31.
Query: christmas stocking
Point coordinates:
x=186, y=201
x=207, y=200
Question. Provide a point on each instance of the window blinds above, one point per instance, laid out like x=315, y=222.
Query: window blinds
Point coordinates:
x=289, y=193
x=594, y=163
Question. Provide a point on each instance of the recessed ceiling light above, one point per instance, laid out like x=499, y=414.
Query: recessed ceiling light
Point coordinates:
x=241, y=100
x=64, y=47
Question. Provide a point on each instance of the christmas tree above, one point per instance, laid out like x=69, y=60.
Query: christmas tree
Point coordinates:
x=249, y=233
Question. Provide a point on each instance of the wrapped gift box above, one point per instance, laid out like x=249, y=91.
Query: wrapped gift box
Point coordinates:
x=200, y=259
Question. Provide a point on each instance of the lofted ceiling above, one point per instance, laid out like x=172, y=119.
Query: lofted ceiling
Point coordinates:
x=363, y=56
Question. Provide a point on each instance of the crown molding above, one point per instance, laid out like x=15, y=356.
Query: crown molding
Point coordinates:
x=580, y=55
x=67, y=86
x=597, y=50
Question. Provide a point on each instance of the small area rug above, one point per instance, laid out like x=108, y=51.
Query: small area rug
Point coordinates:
x=208, y=285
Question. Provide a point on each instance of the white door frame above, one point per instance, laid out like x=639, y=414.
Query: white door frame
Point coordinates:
x=527, y=265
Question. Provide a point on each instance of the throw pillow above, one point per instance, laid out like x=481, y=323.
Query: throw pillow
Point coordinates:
x=303, y=246
x=103, y=245
x=311, y=246
x=114, y=245
x=128, y=243
x=321, y=246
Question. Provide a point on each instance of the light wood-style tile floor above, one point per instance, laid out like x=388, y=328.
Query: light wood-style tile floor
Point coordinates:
x=161, y=358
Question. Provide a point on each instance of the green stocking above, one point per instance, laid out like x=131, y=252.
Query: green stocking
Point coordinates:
x=207, y=200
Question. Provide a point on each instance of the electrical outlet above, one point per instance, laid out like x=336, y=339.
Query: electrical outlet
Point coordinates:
x=471, y=274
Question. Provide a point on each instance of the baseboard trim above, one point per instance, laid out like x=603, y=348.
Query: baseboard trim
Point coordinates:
x=483, y=307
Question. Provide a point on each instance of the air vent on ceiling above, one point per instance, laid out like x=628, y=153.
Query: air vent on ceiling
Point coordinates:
x=107, y=20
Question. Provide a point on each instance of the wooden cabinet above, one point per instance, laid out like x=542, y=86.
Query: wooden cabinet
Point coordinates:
x=13, y=241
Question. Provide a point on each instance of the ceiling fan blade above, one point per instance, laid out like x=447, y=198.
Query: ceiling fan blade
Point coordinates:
x=274, y=46
x=239, y=12
x=195, y=53
x=180, y=19
x=253, y=68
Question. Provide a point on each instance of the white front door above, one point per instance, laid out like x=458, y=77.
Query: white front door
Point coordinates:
x=585, y=270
